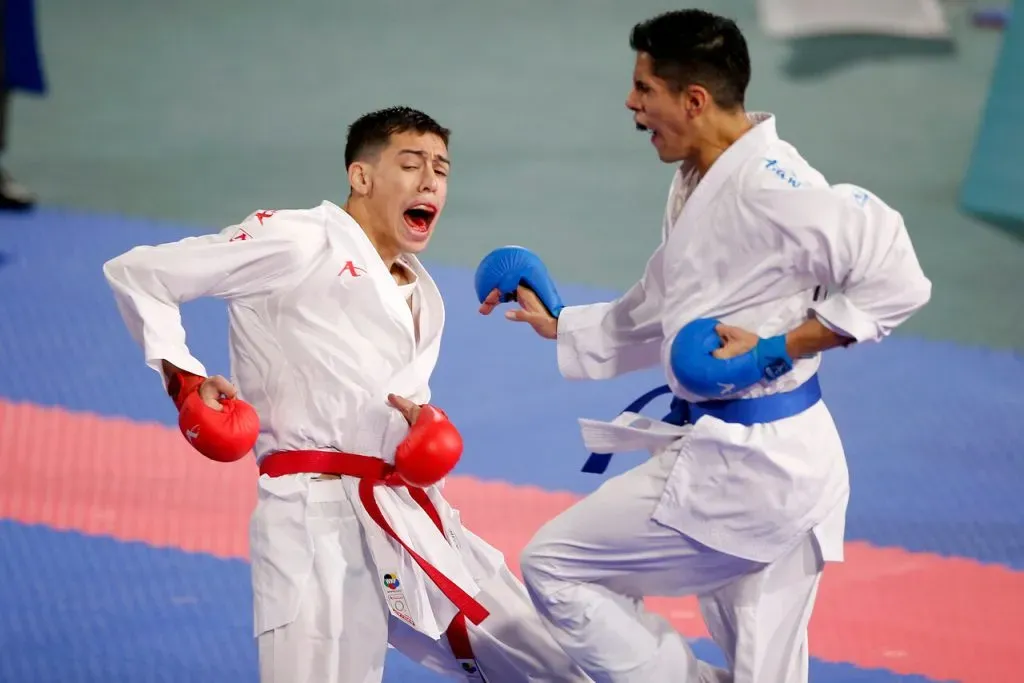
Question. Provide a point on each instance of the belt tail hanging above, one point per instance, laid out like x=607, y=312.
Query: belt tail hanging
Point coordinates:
x=597, y=463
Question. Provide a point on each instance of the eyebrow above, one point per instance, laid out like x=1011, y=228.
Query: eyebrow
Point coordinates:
x=423, y=154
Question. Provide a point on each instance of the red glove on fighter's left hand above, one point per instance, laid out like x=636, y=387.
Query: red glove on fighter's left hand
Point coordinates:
x=430, y=451
x=224, y=435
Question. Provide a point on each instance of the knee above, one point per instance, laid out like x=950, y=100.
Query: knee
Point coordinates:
x=531, y=562
x=541, y=563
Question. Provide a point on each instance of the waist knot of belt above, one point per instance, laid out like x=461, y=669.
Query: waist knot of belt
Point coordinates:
x=743, y=411
x=373, y=472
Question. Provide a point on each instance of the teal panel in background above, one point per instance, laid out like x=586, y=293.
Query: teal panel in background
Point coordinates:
x=994, y=185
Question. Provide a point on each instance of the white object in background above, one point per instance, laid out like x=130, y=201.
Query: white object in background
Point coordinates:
x=802, y=18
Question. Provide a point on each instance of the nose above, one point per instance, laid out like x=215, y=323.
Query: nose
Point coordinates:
x=429, y=180
x=632, y=101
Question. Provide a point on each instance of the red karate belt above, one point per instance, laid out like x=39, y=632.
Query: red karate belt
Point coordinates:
x=373, y=472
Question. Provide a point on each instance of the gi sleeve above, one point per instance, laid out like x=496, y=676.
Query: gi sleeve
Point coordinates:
x=848, y=239
x=605, y=340
x=245, y=260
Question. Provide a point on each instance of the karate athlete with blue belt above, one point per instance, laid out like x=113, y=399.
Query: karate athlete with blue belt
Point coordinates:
x=763, y=265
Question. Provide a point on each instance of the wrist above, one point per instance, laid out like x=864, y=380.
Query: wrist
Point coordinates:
x=813, y=337
x=793, y=345
x=180, y=384
x=774, y=358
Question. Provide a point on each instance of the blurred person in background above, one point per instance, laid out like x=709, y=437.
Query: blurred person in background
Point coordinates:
x=20, y=69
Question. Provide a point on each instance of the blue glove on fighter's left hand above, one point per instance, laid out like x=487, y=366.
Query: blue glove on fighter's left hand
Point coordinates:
x=506, y=268
x=704, y=375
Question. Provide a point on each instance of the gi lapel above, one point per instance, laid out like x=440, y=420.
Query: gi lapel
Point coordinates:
x=752, y=142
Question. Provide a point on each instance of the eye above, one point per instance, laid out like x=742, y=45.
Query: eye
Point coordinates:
x=442, y=172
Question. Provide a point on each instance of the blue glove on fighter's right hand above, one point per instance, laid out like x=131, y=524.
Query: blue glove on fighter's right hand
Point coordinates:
x=704, y=375
x=505, y=268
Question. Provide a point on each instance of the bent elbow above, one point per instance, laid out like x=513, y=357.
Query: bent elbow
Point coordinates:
x=119, y=270
x=116, y=270
x=920, y=293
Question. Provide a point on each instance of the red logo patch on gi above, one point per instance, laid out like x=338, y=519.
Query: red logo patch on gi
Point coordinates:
x=260, y=215
x=352, y=269
x=241, y=235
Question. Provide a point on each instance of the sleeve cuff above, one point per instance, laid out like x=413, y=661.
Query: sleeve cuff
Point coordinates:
x=570, y=319
x=179, y=359
x=840, y=315
x=580, y=337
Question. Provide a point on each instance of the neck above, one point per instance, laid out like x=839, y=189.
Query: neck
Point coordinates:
x=373, y=229
x=723, y=130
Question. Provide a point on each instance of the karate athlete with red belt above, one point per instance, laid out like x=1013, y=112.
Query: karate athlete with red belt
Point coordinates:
x=335, y=328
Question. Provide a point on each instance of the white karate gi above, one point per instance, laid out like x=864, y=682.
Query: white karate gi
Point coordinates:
x=320, y=334
x=742, y=516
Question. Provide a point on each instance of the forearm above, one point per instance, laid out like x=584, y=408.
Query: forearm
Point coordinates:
x=593, y=344
x=170, y=371
x=179, y=382
x=152, y=317
x=169, y=368
x=813, y=337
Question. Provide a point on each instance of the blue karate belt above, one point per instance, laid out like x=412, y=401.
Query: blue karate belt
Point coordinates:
x=744, y=411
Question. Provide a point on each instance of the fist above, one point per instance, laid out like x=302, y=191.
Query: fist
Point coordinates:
x=215, y=423
x=224, y=434
x=735, y=341
x=430, y=451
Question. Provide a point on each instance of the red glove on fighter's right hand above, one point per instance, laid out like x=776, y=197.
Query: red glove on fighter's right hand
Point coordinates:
x=223, y=435
x=430, y=451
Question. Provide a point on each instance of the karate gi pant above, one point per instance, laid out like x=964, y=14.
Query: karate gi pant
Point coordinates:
x=589, y=569
x=343, y=626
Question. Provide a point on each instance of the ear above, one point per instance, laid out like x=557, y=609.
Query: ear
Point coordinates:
x=696, y=100
x=360, y=177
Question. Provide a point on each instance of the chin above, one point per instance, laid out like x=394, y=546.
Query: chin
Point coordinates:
x=414, y=244
x=415, y=248
x=671, y=156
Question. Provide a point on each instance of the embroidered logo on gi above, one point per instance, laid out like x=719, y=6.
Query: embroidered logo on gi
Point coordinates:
x=239, y=236
x=395, y=597
x=784, y=175
x=776, y=369
x=860, y=197
x=472, y=671
x=352, y=269
x=260, y=215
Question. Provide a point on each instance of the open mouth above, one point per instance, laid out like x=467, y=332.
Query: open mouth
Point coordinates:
x=420, y=217
x=653, y=134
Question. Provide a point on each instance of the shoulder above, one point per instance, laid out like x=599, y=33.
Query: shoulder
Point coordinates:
x=291, y=225
x=781, y=190
x=779, y=168
x=781, y=182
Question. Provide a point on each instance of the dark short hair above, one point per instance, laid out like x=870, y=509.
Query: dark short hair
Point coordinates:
x=694, y=47
x=371, y=132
